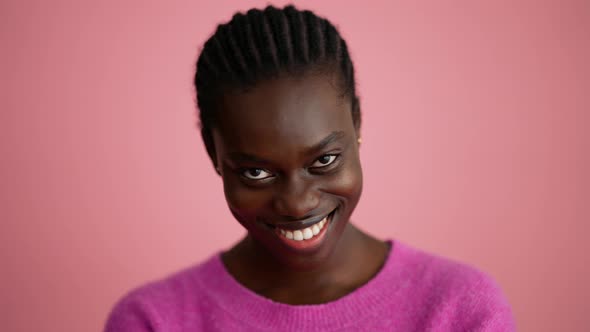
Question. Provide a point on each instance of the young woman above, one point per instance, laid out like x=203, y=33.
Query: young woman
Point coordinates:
x=281, y=121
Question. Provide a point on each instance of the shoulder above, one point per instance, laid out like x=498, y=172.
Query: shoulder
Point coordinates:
x=159, y=304
x=454, y=293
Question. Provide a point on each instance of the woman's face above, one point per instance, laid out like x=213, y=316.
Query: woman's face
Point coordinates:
x=288, y=154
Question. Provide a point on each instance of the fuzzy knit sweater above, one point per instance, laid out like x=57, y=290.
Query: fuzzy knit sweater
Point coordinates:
x=413, y=291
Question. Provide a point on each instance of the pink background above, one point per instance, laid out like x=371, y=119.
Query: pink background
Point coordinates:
x=475, y=146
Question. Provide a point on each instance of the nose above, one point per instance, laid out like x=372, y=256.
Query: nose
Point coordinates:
x=296, y=199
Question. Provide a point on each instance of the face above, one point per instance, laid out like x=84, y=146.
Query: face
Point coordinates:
x=288, y=154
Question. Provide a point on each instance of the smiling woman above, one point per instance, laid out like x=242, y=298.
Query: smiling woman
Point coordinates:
x=281, y=122
x=302, y=167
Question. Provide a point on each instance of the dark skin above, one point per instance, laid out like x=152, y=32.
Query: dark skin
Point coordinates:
x=288, y=153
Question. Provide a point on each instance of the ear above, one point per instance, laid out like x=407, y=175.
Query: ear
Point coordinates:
x=356, y=118
x=207, y=137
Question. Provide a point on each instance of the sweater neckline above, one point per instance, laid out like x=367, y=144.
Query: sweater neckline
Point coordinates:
x=264, y=313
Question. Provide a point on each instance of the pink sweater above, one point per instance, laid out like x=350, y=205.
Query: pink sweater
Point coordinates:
x=414, y=291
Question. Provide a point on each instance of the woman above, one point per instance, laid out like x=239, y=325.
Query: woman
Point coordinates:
x=281, y=120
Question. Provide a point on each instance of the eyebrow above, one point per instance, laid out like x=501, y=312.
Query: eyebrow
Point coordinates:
x=334, y=136
x=245, y=157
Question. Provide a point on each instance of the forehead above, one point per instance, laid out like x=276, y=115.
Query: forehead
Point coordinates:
x=283, y=114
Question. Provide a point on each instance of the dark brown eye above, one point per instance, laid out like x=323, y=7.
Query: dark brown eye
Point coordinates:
x=324, y=160
x=256, y=174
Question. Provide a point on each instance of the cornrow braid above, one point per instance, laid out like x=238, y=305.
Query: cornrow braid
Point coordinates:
x=262, y=44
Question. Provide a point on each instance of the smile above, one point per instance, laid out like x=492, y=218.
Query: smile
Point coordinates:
x=308, y=237
x=306, y=233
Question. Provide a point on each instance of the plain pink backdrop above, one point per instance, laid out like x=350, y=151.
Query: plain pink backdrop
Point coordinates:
x=475, y=147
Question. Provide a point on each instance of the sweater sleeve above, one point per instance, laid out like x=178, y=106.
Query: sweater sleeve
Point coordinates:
x=485, y=308
x=130, y=314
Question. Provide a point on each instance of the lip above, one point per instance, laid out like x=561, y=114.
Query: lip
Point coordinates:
x=311, y=244
x=294, y=226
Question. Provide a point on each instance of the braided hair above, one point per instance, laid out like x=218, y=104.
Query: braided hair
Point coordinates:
x=264, y=44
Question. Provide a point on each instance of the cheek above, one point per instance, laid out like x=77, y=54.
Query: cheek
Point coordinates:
x=242, y=200
x=349, y=183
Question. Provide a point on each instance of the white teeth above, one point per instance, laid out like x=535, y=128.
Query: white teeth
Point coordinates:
x=315, y=229
x=297, y=235
x=306, y=233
